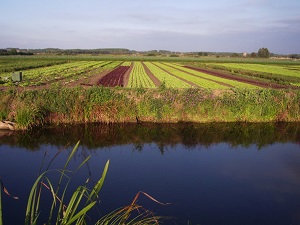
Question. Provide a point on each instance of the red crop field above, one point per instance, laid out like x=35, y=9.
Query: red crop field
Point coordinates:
x=114, y=78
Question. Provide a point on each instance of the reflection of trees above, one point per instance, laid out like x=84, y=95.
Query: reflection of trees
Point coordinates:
x=95, y=136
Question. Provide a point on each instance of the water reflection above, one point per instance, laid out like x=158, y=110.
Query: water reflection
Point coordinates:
x=95, y=136
x=250, y=175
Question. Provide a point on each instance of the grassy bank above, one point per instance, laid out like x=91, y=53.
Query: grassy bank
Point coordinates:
x=97, y=104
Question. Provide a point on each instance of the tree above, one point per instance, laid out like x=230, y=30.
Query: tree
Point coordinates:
x=263, y=53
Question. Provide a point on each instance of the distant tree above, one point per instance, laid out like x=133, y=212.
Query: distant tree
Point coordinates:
x=202, y=54
x=13, y=52
x=253, y=55
x=234, y=55
x=150, y=54
x=294, y=56
x=263, y=53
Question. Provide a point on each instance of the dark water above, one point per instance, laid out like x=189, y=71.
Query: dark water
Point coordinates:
x=211, y=173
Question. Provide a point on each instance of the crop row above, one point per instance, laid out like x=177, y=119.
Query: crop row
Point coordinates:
x=274, y=69
x=201, y=82
x=127, y=63
x=17, y=64
x=139, y=78
x=232, y=83
x=166, y=78
x=63, y=71
x=114, y=78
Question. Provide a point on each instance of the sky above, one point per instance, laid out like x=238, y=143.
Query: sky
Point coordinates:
x=175, y=25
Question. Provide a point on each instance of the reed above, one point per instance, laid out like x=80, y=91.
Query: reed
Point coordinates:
x=81, y=202
x=114, y=105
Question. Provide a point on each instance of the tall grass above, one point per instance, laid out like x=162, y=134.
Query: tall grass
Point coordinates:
x=105, y=105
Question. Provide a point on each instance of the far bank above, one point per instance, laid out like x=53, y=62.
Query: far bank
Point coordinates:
x=57, y=105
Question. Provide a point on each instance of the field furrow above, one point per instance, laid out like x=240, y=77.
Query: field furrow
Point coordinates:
x=166, y=78
x=223, y=81
x=204, y=83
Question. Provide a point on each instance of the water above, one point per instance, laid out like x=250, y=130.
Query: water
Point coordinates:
x=210, y=173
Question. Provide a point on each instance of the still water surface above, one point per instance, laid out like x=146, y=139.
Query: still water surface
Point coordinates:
x=212, y=174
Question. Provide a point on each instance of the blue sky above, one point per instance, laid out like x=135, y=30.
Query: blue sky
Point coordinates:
x=177, y=25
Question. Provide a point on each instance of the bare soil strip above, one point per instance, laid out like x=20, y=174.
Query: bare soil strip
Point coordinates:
x=155, y=80
x=218, y=82
x=242, y=79
x=184, y=80
x=127, y=74
x=90, y=81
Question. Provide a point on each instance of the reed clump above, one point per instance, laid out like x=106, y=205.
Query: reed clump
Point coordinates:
x=65, y=210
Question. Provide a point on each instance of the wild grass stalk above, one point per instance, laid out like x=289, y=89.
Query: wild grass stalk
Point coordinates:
x=105, y=105
x=66, y=213
x=4, y=190
x=82, y=200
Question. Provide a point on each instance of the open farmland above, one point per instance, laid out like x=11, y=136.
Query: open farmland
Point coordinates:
x=166, y=78
x=114, y=78
x=66, y=72
x=276, y=74
x=139, y=78
x=274, y=69
x=149, y=74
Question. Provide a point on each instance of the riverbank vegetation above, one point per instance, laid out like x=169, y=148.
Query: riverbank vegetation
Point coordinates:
x=66, y=206
x=56, y=105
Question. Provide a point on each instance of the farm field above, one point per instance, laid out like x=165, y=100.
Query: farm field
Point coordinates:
x=68, y=72
x=286, y=74
x=139, y=78
x=274, y=69
x=149, y=74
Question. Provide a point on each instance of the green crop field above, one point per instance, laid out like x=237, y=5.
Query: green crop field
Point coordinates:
x=166, y=78
x=151, y=73
x=67, y=71
x=200, y=82
x=274, y=69
x=139, y=78
x=126, y=63
x=235, y=84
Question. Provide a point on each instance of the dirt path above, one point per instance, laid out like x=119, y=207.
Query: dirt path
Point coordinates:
x=89, y=81
x=127, y=74
x=155, y=80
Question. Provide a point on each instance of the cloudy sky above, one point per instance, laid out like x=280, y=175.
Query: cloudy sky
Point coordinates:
x=177, y=25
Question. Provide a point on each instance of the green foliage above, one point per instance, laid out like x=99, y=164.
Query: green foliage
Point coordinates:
x=263, y=53
x=139, y=78
x=27, y=118
x=107, y=105
x=82, y=200
x=74, y=210
x=166, y=78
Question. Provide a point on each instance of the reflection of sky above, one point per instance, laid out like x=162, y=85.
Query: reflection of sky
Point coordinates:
x=285, y=171
x=206, y=185
x=193, y=25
